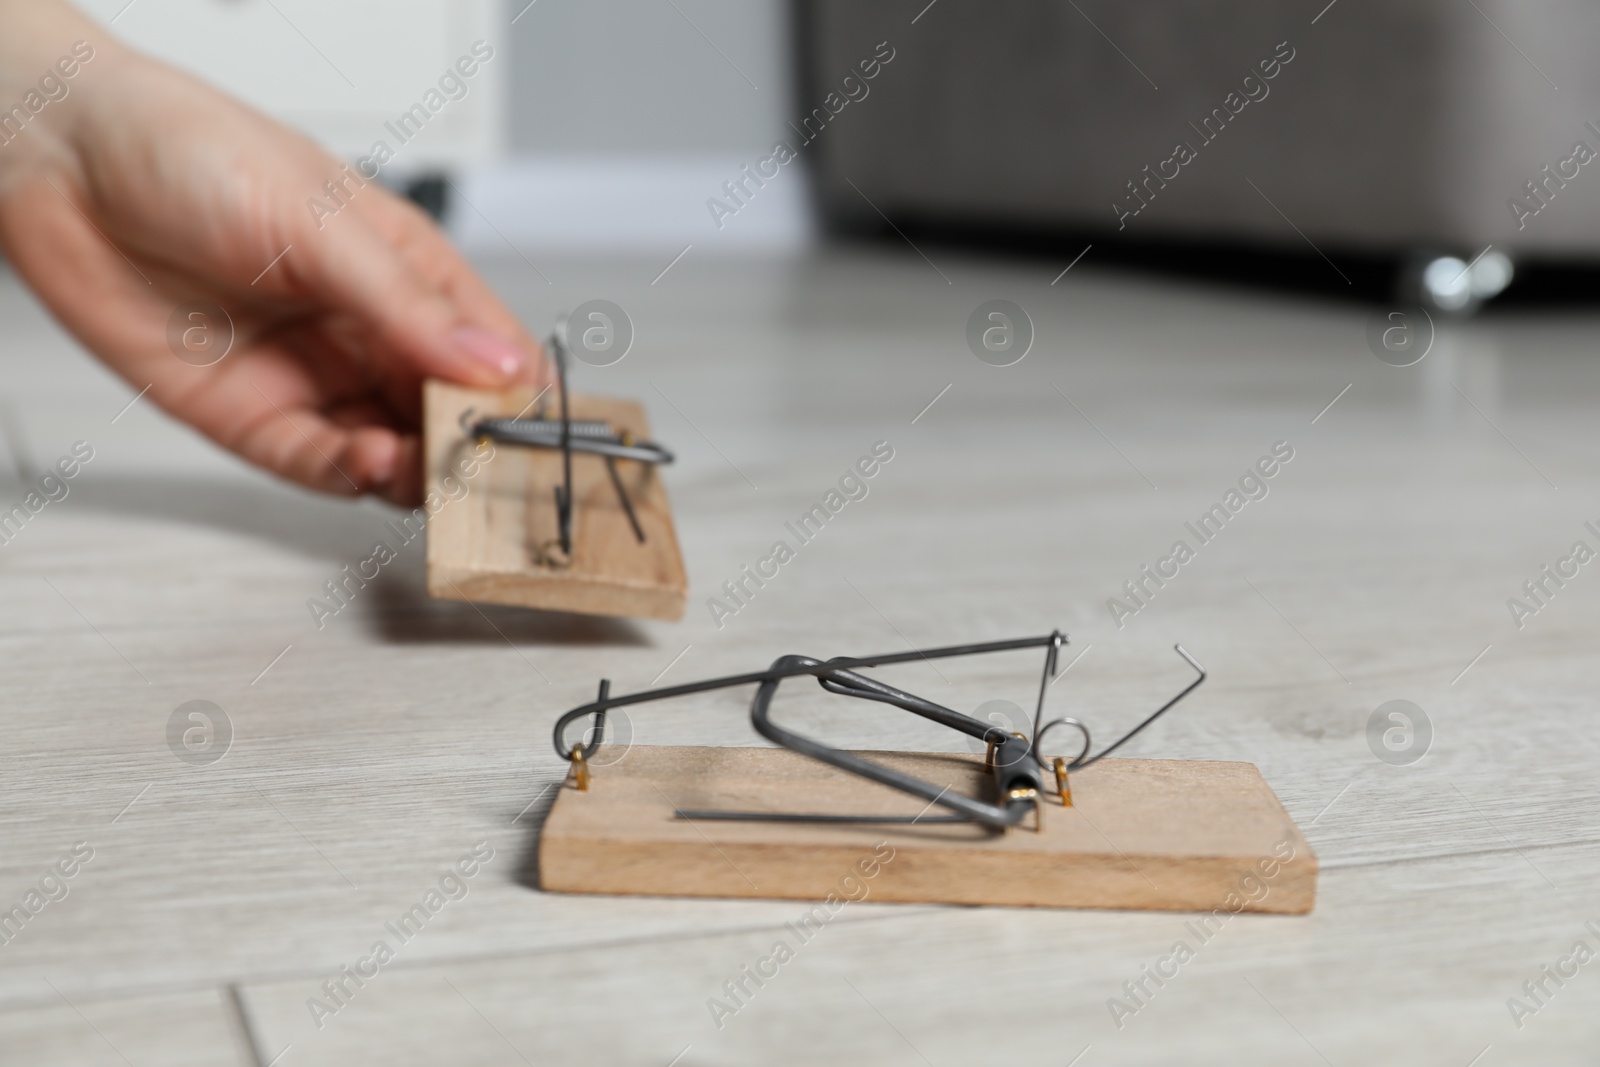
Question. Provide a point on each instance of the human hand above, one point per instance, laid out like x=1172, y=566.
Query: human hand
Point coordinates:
x=145, y=191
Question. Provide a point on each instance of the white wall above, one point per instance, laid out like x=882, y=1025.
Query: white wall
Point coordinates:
x=627, y=115
x=600, y=125
x=636, y=76
x=339, y=69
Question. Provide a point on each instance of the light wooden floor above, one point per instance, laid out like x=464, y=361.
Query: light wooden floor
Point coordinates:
x=369, y=755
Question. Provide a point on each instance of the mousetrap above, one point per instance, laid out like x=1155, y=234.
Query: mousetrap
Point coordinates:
x=1014, y=827
x=548, y=501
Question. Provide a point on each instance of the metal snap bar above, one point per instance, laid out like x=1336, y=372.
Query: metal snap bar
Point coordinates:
x=590, y=437
x=1012, y=763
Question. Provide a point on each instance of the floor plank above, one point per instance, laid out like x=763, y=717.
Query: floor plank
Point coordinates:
x=199, y=1028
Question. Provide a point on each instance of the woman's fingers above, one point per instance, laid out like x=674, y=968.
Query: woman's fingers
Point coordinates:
x=351, y=268
x=303, y=446
x=432, y=256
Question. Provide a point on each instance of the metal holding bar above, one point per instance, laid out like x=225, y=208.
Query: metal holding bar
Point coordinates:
x=756, y=677
x=1014, y=762
x=558, y=346
x=590, y=437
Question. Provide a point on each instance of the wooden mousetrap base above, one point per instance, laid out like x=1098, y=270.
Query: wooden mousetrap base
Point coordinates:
x=487, y=544
x=1177, y=835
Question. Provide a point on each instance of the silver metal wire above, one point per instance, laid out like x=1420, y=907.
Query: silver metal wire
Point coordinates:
x=1010, y=764
x=591, y=437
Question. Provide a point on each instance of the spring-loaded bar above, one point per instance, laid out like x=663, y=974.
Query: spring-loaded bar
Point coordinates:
x=1014, y=760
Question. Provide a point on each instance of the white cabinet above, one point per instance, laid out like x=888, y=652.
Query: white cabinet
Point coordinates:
x=343, y=69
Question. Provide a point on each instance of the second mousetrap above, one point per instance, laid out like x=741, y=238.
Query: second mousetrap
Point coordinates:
x=1031, y=822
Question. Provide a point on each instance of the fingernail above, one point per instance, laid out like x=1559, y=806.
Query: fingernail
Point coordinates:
x=502, y=356
x=383, y=468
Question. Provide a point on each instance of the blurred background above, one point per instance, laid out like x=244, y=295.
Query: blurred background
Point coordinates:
x=1235, y=139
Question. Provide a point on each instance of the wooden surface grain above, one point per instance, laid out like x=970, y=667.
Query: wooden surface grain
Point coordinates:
x=370, y=753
